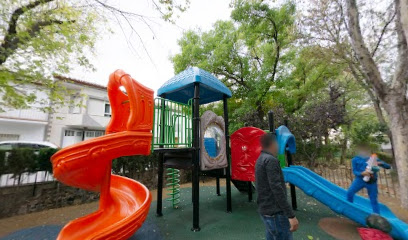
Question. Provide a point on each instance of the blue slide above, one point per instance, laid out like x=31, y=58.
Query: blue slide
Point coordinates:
x=334, y=197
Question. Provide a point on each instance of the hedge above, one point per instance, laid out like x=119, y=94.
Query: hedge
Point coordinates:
x=18, y=161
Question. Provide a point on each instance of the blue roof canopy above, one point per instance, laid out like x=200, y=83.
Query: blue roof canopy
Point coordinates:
x=180, y=88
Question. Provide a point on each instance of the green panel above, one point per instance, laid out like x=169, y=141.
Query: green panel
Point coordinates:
x=172, y=124
x=282, y=160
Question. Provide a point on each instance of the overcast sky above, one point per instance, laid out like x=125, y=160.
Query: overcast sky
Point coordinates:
x=114, y=52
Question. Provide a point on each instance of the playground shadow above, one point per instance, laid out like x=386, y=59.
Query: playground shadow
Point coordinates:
x=148, y=231
x=243, y=223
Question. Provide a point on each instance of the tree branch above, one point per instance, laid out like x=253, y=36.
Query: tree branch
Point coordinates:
x=9, y=44
x=400, y=80
x=382, y=34
x=367, y=62
x=404, y=16
x=32, y=32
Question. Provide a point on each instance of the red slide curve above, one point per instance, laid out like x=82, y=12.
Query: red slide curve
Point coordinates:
x=124, y=203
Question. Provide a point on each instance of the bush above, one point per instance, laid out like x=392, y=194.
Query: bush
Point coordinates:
x=386, y=157
x=3, y=168
x=130, y=165
x=20, y=160
x=44, y=159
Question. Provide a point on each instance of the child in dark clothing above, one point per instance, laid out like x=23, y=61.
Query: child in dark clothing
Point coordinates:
x=359, y=165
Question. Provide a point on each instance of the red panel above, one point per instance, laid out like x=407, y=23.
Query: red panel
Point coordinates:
x=373, y=234
x=245, y=150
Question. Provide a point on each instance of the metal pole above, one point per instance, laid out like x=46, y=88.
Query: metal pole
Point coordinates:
x=228, y=151
x=159, y=203
x=271, y=122
x=292, y=187
x=218, y=186
x=249, y=191
x=196, y=157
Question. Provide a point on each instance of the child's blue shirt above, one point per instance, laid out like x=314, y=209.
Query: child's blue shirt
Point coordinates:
x=359, y=165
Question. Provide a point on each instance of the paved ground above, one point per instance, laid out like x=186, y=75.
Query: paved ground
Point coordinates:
x=243, y=223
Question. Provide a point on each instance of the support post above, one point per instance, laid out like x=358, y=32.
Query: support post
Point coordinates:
x=228, y=151
x=249, y=191
x=196, y=158
x=271, y=122
x=218, y=186
x=292, y=187
x=159, y=204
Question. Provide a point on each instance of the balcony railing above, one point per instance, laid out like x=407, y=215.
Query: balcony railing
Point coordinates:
x=27, y=114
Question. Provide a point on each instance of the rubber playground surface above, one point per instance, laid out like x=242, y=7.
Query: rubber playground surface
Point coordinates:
x=243, y=223
x=215, y=223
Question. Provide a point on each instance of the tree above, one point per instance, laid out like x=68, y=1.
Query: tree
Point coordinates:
x=256, y=54
x=392, y=92
x=40, y=38
x=247, y=53
x=20, y=161
x=43, y=38
x=324, y=25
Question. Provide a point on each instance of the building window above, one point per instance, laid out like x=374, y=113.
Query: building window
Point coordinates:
x=90, y=134
x=99, y=133
x=74, y=105
x=107, y=110
x=69, y=133
x=79, y=134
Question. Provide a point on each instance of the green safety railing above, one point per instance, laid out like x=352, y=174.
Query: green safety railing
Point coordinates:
x=172, y=124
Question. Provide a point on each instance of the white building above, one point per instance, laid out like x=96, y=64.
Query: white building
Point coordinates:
x=85, y=118
x=25, y=124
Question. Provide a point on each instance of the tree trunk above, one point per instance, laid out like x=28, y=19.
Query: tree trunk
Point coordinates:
x=381, y=119
x=404, y=16
x=344, y=145
x=399, y=127
x=327, y=144
x=393, y=96
x=400, y=140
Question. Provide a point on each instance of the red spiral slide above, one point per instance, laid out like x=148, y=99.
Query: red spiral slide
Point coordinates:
x=124, y=203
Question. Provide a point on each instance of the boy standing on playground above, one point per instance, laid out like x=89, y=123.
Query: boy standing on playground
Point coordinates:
x=273, y=206
x=362, y=165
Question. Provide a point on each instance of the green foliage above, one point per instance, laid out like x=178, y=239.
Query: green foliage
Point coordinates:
x=248, y=53
x=260, y=56
x=2, y=162
x=386, y=157
x=18, y=161
x=129, y=166
x=44, y=159
x=367, y=130
x=170, y=7
x=41, y=39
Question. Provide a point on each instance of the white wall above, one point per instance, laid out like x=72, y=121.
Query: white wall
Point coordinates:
x=27, y=130
x=34, y=112
x=90, y=116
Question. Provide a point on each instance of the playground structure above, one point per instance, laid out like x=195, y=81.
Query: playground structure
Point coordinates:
x=124, y=203
x=309, y=182
x=171, y=126
x=182, y=142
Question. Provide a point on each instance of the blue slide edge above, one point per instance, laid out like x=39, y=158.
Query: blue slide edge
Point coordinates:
x=334, y=197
